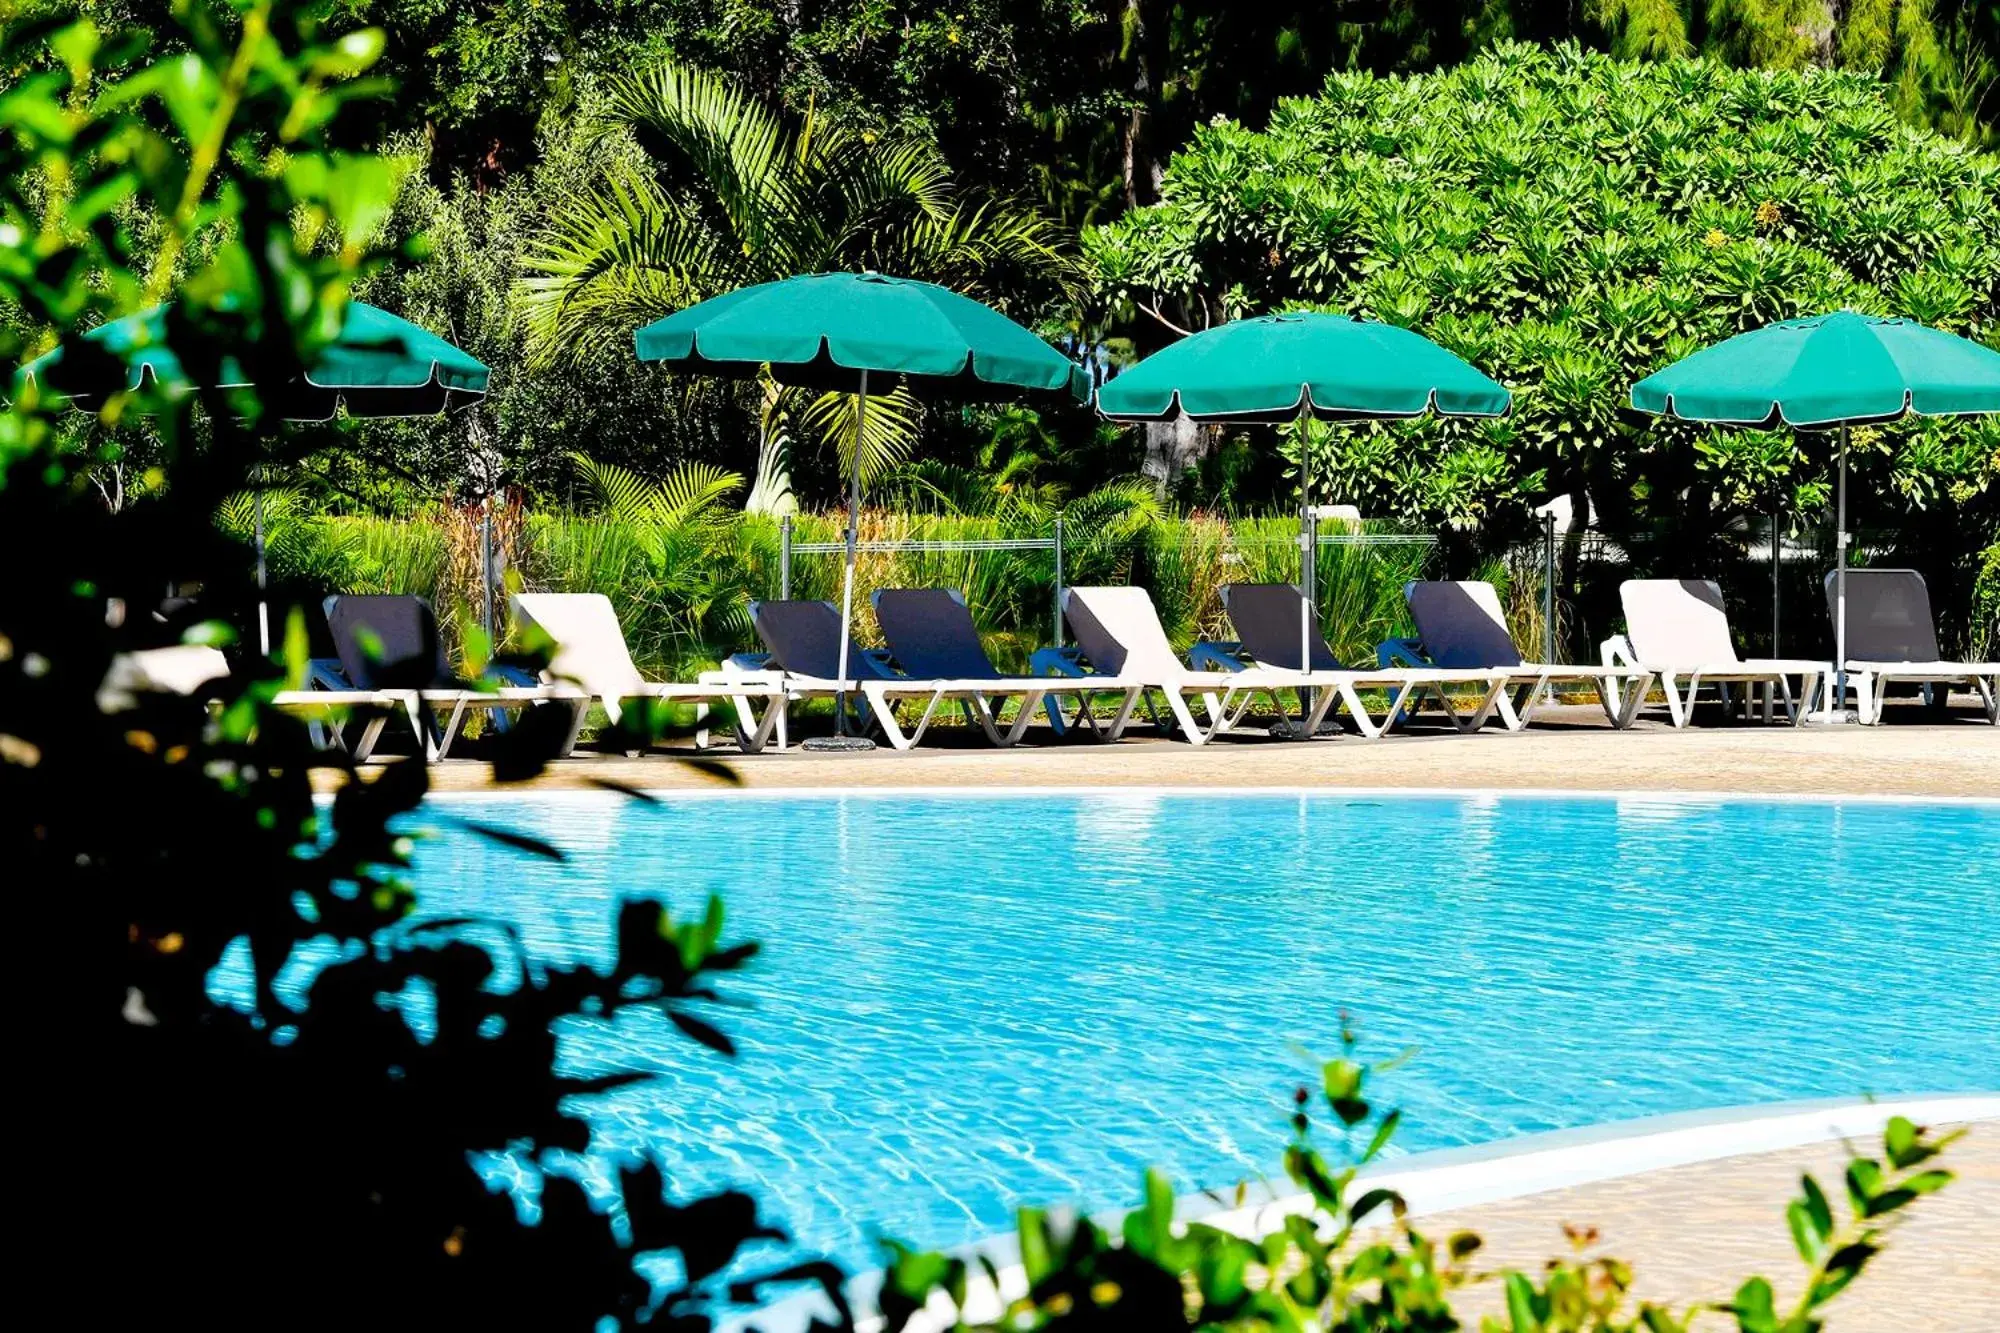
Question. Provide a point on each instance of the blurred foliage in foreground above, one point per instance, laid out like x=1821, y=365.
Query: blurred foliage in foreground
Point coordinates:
x=296, y=1154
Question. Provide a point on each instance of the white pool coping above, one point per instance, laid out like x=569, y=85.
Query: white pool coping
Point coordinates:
x=1454, y=1178
x=970, y=792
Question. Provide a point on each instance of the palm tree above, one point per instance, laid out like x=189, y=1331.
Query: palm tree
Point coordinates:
x=723, y=192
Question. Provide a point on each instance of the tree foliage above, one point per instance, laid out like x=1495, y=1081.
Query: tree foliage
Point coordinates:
x=1569, y=223
x=719, y=192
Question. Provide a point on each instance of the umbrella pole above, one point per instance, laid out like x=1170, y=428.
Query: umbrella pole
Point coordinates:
x=841, y=740
x=1840, y=584
x=1307, y=563
x=263, y=607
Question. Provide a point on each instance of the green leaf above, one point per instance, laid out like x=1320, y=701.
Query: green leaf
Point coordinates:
x=1521, y=1305
x=1383, y=1133
x=1817, y=1209
x=1754, y=1307
x=1928, y=1182
x=1799, y=1218
x=1037, y=1256
x=1864, y=1178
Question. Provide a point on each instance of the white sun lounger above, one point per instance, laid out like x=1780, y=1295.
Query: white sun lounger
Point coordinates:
x=590, y=653
x=1121, y=644
x=1267, y=616
x=1678, y=630
x=1892, y=637
x=1460, y=624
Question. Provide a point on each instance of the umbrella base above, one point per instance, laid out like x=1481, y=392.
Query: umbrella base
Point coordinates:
x=1831, y=717
x=1293, y=730
x=837, y=744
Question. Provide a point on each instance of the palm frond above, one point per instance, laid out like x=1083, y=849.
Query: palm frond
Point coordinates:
x=891, y=425
x=607, y=262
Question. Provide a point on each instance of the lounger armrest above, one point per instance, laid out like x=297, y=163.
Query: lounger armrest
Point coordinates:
x=1401, y=653
x=1057, y=662
x=1218, y=655
x=1618, y=651
x=324, y=673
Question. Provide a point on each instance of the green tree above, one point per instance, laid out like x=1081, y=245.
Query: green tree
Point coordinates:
x=1570, y=222
x=717, y=192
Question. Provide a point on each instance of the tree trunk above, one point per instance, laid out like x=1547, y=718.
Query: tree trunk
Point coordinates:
x=771, y=488
x=1172, y=447
x=1142, y=172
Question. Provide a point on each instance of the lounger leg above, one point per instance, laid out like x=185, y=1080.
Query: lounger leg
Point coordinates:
x=884, y=713
x=1676, y=710
x=1323, y=700
x=983, y=715
x=451, y=728
x=1189, y=728
x=1496, y=693
x=371, y=732
x=1636, y=690
x=1989, y=695
x=1123, y=717
x=1030, y=701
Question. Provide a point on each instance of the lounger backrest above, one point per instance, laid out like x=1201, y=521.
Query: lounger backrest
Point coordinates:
x=803, y=638
x=1119, y=631
x=1266, y=616
x=387, y=642
x=1678, y=624
x=589, y=646
x=930, y=634
x=1888, y=615
x=1461, y=625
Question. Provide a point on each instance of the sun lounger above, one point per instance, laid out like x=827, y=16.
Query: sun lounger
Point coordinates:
x=1460, y=624
x=1121, y=645
x=1267, y=616
x=1678, y=630
x=803, y=639
x=931, y=637
x=1892, y=637
x=391, y=653
x=590, y=657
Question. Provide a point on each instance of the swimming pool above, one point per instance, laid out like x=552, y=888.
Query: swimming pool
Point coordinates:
x=971, y=1002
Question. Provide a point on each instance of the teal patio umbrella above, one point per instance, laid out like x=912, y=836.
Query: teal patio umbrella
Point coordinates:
x=1830, y=372
x=833, y=331
x=380, y=365
x=1277, y=369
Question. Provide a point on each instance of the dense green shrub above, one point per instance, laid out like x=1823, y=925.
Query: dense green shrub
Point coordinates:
x=1570, y=223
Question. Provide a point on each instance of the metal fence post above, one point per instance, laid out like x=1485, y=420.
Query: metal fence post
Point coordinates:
x=1548, y=587
x=785, y=558
x=1059, y=581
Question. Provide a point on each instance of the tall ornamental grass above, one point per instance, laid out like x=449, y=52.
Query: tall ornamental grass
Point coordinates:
x=682, y=590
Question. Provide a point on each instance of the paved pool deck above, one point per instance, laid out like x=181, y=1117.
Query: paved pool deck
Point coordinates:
x=1692, y=1233
x=1573, y=749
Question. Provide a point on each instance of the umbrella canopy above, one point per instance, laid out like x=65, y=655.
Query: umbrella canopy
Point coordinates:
x=1828, y=372
x=832, y=331
x=828, y=330
x=379, y=366
x=1281, y=367
x=1843, y=369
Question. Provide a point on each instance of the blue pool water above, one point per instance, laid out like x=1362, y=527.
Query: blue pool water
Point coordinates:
x=968, y=1003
